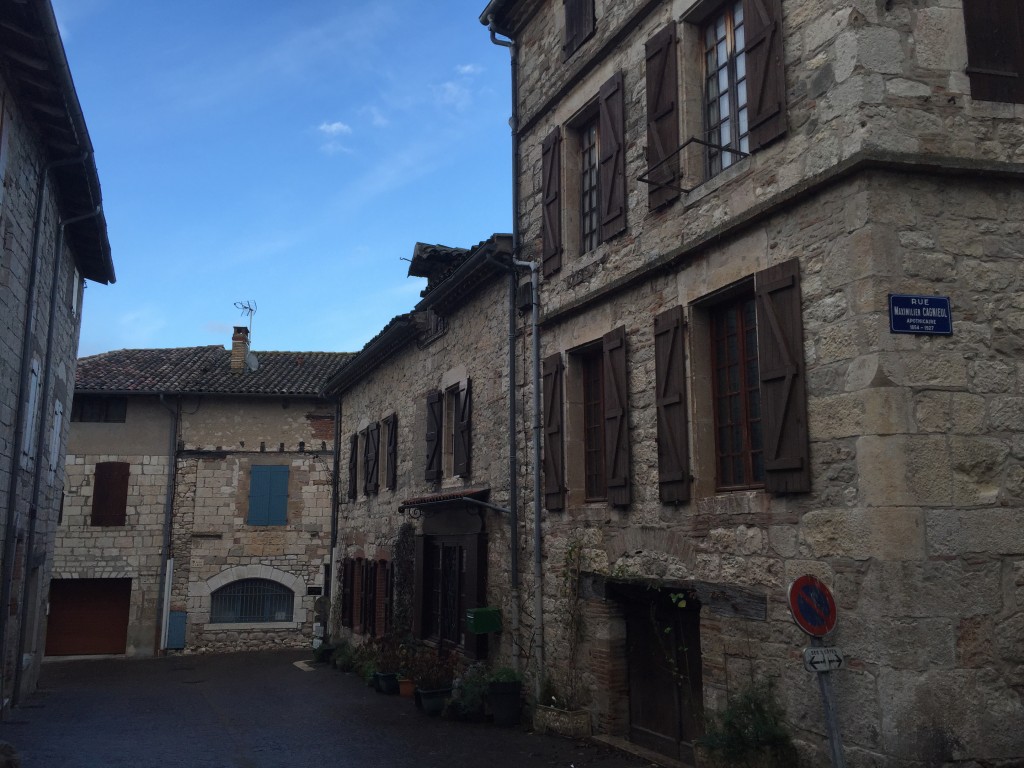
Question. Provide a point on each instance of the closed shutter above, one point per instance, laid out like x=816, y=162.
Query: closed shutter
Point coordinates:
x=766, y=74
x=579, y=24
x=616, y=417
x=110, y=493
x=348, y=568
x=551, y=202
x=418, y=591
x=612, y=174
x=391, y=481
x=259, y=497
x=389, y=596
x=474, y=591
x=554, y=464
x=662, y=118
x=435, y=423
x=372, y=458
x=277, y=494
x=670, y=400
x=780, y=352
x=463, y=431
x=353, y=462
x=995, y=49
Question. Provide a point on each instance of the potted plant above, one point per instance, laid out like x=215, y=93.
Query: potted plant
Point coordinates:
x=389, y=664
x=468, y=692
x=433, y=672
x=560, y=714
x=504, y=695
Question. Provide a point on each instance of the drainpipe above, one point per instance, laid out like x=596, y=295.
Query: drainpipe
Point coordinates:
x=335, y=504
x=167, y=575
x=31, y=304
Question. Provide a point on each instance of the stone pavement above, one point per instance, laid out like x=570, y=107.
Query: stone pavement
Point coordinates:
x=256, y=710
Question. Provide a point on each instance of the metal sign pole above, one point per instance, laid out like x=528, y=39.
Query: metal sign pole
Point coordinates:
x=828, y=702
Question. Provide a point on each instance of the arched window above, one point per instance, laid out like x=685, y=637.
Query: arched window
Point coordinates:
x=250, y=601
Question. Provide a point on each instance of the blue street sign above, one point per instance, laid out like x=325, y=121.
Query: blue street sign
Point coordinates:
x=920, y=314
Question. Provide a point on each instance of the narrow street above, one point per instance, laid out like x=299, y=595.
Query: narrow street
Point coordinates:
x=256, y=710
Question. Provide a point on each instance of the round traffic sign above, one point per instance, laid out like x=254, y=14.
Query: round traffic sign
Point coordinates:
x=812, y=606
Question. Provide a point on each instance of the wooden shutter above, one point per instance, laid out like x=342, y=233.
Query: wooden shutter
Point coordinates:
x=435, y=424
x=780, y=352
x=277, y=494
x=391, y=480
x=995, y=49
x=612, y=153
x=474, y=590
x=579, y=24
x=463, y=442
x=110, y=493
x=372, y=458
x=348, y=568
x=551, y=202
x=766, y=74
x=616, y=417
x=388, y=568
x=554, y=462
x=662, y=118
x=670, y=400
x=418, y=591
x=353, y=462
x=259, y=497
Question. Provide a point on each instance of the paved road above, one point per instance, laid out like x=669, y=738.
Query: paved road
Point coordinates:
x=256, y=710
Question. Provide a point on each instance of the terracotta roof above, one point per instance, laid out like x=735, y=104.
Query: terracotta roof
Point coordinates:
x=206, y=370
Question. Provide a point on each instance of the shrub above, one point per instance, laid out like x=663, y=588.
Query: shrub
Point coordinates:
x=750, y=732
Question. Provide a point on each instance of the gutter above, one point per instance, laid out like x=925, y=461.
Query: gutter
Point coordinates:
x=166, y=573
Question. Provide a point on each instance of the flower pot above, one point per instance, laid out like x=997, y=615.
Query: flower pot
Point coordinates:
x=432, y=702
x=505, y=700
x=406, y=687
x=387, y=682
x=565, y=722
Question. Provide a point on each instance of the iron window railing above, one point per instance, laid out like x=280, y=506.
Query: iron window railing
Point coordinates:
x=251, y=601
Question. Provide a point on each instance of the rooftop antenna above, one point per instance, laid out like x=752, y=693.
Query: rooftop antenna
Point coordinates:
x=247, y=308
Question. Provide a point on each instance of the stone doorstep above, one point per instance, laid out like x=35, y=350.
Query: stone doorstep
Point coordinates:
x=616, y=742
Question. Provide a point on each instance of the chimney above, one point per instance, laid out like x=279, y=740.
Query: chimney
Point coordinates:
x=239, y=348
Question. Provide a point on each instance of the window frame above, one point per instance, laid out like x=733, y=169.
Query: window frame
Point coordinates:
x=470, y=550
x=735, y=69
x=273, y=590
x=111, y=480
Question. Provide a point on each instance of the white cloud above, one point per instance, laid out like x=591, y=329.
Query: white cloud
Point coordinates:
x=335, y=148
x=469, y=69
x=453, y=95
x=336, y=128
x=377, y=118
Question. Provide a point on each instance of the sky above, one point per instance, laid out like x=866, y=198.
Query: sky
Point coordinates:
x=289, y=155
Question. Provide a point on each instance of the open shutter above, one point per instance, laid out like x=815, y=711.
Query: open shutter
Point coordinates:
x=551, y=202
x=579, y=24
x=435, y=422
x=353, y=462
x=110, y=493
x=780, y=353
x=474, y=589
x=616, y=417
x=372, y=458
x=995, y=49
x=463, y=431
x=612, y=173
x=766, y=74
x=662, y=117
x=670, y=400
x=348, y=568
x=418, y=587
x=554, y=462
x=391, y=481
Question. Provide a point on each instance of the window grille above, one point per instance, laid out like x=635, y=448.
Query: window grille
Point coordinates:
x=251, y=601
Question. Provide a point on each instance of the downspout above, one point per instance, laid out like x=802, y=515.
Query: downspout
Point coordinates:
x=513, y=415
x=166, y=575
x=10, y=529
x=41, y=424
x=335, y=505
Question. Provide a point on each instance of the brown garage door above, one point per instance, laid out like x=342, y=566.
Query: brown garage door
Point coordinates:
x=88, y=616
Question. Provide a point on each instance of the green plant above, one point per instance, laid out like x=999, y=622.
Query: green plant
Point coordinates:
x=468, y=691
x=750, y=732
x=505, y=675
x=403, y=563
x=343, y=656
x=432, y=669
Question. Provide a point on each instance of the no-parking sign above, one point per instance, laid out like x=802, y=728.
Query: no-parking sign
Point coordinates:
x=812, y=606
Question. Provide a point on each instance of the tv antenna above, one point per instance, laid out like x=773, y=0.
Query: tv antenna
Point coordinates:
x=247, y=308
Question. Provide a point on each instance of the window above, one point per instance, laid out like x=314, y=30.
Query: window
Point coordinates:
x=451, y=578
x=366, y=596
x=390, y=457
x=251, y=601
x=268, y=495
x=995, y=49
x=579, y=24
x=28, y=430
x=353, y=467
x=725, y=89
x=590, y=230
x=449, y=432
x=371, y=456
x=99, y=409
x=592, y=377
x=110, y=493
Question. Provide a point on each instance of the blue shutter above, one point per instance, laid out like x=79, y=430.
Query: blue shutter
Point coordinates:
x=277, y=507
x=176, y=623
x=259, y=496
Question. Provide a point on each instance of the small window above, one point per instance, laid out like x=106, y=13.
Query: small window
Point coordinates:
x=97, y=408
x=268, y=495
x=579, y=24
x=353, y=467
x=725, y=89
x=449, y=432
x=995, y=49
x=110, y=493
x=389, y=455
x=251, y=601
x=590, y=187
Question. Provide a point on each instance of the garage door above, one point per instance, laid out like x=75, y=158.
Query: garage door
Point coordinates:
x=88, y=616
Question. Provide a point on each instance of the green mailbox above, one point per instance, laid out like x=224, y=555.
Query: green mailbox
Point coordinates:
x=480, y=621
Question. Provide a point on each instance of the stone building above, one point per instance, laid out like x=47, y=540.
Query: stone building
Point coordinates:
x=53, y=235
x=423, y=527
x=728, y=201
x=198, y=503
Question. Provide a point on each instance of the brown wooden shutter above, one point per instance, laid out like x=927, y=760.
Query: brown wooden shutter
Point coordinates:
x=474, y=591
x=551, y=201
x=662, y=117
x=670, y=400
x=616, y=417
x=554, y=462
x=995, y=49
x=372, y=458
x=612, y=172
x=463, y=442
x=579, y=24
x=391, y=480
x=353, y=463
x=435, y=424
x=110, y=493
x=780, y=352
x=357, y=596
x=418, y=592
x=348, y=568
x=766, y=74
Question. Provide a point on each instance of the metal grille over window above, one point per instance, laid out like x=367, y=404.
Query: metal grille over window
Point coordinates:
x=725, y=106
x=251, y=601
x=590, y=222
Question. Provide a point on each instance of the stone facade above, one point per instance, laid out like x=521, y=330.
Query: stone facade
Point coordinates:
x=42, y=267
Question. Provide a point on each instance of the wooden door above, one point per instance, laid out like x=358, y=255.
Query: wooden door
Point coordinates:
x=88, y=617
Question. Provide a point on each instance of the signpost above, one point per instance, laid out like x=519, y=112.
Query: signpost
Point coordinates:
x=814, y=611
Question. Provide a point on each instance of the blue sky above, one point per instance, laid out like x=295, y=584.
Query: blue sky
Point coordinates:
x=289, y=154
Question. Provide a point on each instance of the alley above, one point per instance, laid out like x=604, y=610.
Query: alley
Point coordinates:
x=257, y=710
